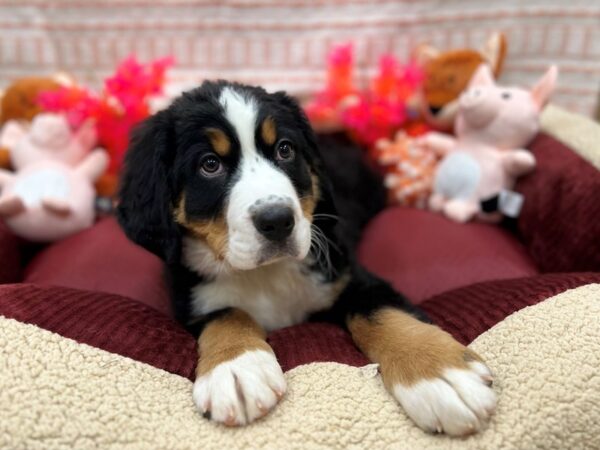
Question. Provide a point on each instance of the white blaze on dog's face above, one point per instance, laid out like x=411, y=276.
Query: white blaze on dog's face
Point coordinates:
x=264, y=216
x=246, y=184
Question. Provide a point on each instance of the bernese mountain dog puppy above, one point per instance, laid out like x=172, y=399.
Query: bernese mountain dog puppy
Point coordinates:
x=228, y=186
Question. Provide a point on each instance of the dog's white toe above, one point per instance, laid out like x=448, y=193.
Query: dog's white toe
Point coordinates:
x=239, y=391
x=457, y=403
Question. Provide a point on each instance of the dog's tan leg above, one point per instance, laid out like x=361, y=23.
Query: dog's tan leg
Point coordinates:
x=442, y=385
x=238, y=378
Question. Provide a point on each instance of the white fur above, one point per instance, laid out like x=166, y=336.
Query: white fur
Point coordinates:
x=240, y=391
x=276, y=295
x=259, y=181
x=458, y=403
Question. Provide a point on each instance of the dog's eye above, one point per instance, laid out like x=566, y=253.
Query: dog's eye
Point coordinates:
x=210, y=166
x=285, y=150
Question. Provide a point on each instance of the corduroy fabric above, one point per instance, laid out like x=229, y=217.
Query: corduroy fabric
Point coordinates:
x=560, y=220
x=314, y=342
x=10, y=256
x=468, y=312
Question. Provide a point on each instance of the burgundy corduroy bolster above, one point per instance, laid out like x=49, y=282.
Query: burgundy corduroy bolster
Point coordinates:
x=560, y=220
x=10, y=256
x=468, y=312
x=314, y=342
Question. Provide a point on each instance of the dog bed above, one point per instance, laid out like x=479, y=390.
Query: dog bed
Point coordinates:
x=57, y=393
x=89, y=357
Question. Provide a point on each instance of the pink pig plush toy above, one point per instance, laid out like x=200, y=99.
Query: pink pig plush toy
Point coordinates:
x=51, y=195
x=480, y=165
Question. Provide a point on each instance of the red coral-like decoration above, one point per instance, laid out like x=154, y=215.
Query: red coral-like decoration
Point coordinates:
x=123, y=103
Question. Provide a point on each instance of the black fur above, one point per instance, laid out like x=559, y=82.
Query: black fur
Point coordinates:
x=357, y=186
x=162, y=162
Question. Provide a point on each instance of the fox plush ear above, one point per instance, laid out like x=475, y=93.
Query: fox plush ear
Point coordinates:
x=543, y=89
x=494, y=52
x=146, y=192
x=482, y=77
x=425, y=53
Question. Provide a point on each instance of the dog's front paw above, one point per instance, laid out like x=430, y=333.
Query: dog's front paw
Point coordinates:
x=458, y=402
x=241, y=390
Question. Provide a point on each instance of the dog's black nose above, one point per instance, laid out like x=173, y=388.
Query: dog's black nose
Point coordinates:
x=274, y=222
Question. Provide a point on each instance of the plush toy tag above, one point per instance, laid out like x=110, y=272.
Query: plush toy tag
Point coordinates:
x=510, y=203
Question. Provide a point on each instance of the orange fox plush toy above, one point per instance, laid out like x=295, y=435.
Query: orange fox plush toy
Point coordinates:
x=447, y=75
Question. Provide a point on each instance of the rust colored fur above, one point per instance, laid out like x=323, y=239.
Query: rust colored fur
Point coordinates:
x=309, y=202
x=406, y=349
x=219, y=140
x=268, y=131
x=212, y=232
x=227, y=337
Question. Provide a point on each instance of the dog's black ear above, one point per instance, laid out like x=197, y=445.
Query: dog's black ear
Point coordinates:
x=146, y=193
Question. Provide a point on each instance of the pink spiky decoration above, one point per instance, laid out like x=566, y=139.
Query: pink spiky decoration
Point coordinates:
x=372, y=113
x=123, y=103
x=382, y=117
x=324, y=109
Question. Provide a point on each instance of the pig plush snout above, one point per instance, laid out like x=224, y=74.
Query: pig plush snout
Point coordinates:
x=479, y=107
x=50, y=131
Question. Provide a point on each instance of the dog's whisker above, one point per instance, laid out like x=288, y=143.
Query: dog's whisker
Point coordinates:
x=329, y=241
x=323, y=243
x=326, y=216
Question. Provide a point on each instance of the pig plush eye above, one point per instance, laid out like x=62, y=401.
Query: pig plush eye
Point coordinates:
x=506, y=95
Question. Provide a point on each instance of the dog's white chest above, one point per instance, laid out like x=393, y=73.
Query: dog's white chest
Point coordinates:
x=277, y=295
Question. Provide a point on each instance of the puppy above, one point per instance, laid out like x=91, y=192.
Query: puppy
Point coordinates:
x=227, y=185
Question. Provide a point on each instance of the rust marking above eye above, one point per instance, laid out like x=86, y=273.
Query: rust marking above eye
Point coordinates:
x=268, y=131
x=219, y=141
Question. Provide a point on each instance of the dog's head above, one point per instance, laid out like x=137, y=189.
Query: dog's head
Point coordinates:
x=231, y=169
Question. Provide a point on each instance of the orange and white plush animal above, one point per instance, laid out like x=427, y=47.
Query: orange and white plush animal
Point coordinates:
x=447, y=75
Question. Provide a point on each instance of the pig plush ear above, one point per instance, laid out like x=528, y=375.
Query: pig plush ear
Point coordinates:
x=86, y=134
x=12, y=132
x=544, y=87
x=482, y=77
